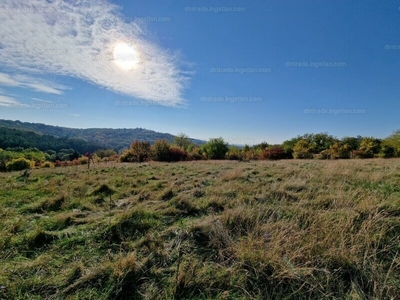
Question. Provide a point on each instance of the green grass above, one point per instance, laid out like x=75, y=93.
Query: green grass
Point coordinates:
x=203, y=230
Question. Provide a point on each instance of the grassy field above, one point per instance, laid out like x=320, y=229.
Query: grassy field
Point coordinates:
x=203, y=230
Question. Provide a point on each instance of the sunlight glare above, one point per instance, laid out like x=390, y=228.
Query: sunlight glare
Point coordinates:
x=125, y=56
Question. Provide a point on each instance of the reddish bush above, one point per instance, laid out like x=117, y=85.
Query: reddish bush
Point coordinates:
x=274, y=153
x=176, y=154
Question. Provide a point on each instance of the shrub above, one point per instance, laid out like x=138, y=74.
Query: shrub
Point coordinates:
x=195, y=153
x=114, y=157
x=387, y=151
x=324, y=154
x=176, y=154
x=370, y=147
x=358, y=154
x=138, y=152
x=47, y=164
x=251, y=154
x=234, y=153
x=102, y=153
x=160, y=151
x=274, y=153
x=302, y=150
x=215, y=148
x=338, y=150
x=182, y=141
x=19, y=164
x=83, y=160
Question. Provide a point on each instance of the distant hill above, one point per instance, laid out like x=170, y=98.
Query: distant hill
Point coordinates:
x=13, y=138
x=110, y=138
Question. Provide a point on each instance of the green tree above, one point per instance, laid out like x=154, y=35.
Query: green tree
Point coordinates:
x=102, y=153
x=262, y=146
x=160, y=151
x=182, y=141
x=353, y=142
x=321, y=141
x=393, y=141
x=288, y=146
x=215, y=148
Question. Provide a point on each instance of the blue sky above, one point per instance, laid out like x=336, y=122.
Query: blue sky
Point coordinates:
x=248, y=71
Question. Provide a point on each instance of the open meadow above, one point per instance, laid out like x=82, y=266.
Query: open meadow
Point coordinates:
x=290, y=229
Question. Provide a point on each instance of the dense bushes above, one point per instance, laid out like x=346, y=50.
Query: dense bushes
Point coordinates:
x=138, y=152
x=308, y=146
x=215, y=149
x=274, y=153
x=160, y=151
x=19, y=164
x=234, y=153
x=176, y=154
x=302, y=150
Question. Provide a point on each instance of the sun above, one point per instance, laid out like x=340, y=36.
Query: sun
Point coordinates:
x=126, y=56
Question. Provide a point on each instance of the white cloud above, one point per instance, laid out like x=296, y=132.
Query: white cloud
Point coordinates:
x=75, y=115
x=76, y=38
x=40, y=100
x=38, y=85
x=9, y=102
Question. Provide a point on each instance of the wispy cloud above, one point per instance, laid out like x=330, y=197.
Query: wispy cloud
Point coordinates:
x=36, y=84
x=9, y=102
x=40, y=100
x=77, y=38
x=75, y=115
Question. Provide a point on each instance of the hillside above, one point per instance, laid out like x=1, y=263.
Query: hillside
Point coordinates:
x=203, y=230
x=11, y=138
x=116, y=139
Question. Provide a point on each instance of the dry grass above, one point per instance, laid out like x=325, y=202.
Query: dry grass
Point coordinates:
x=203, y=230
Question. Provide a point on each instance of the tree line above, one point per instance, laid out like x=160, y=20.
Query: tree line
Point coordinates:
x=307, y=146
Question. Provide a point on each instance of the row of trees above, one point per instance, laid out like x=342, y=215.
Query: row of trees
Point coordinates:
x=308, y=146
x=18, y=158
x=324, y=146
x=182, y=149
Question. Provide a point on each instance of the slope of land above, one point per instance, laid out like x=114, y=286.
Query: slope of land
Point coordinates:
x=116, y=139
x=203, y=230
x=26, y=139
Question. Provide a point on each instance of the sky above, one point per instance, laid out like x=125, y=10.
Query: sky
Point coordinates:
x=247, y=71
